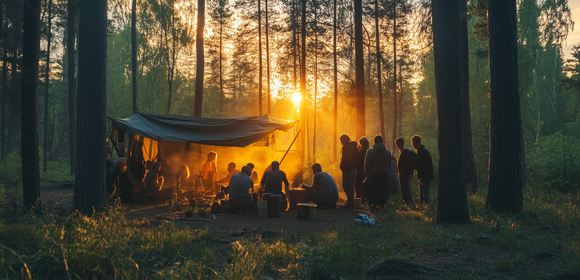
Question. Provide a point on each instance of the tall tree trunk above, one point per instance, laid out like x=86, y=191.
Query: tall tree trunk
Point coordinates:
x=200, y=59
x=315, y=81
x=379, y=79
x=335, y=70
x=268, y=59
x=394, y=75
x=72, y=7
x=452, y=199
x=470, y=175
x=303, y=109
x=222, y=97
x=506, y=157
x=400, y=101
x=29, y=117
x=294, y=42
x=3, y=87
x=16, y=96
x=90, y=193
x=47, y=85
x=134, y=53
x=360, y=74
x=260, y=56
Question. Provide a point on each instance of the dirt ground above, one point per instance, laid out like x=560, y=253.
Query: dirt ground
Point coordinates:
x=60, y=195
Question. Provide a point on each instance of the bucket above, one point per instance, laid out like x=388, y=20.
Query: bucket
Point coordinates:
x=357, y=203
x=296, y=196
x=266, y=196
x=263, y=209
x=274, y=207
x=306, y=211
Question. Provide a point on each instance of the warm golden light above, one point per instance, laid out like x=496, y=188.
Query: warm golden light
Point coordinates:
x=296, y=97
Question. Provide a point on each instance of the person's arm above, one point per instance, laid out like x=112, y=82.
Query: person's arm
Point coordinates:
x=263, y=182
x=316, y=182
x=286, y=181
x=160, y=182
x=367, y=162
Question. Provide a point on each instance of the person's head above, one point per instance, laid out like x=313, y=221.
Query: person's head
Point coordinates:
x=231, y=166
x=316, y=168
x=184, y=171
x=275, y=165
x=156, y=166
x=363, y=141
x=121, y=163
x=400, y=142
x=416, y=141
x=211, y=156
x=344, y=139
x=379, y=139
x=251, y=166
x=246, y=170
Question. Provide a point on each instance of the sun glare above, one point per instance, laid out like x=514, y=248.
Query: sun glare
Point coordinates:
x=296, y=97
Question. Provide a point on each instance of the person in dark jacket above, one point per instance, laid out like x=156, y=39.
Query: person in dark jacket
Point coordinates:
x=272, y=183
x=122, y=181
x=323, y=191
x=241, y=190
x=405, y=168
x=348, y=165
x=360, y=169
x=154, y=185
x=377, y=165
x=424, y=167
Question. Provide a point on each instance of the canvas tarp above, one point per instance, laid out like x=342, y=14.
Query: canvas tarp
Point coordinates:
x=230, y=132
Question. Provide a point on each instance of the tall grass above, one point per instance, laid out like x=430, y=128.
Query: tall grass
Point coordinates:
x=112, y=247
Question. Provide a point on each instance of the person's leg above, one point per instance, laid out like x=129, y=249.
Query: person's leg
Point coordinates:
x=382, y=189
x=284, y=202
x=405, y=183
x=348, y=180
x=427, y=187
x=161, y=195
x=421, y=192
x=311, y=194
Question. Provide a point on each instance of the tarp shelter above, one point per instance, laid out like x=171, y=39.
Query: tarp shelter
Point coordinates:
x=177, y=140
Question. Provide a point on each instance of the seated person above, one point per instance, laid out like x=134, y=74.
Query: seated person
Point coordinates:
x=154, y=185
x=231, y=171
x=241, y=190
x=254, y=175
x=183, y=178
x=122, y=180
x=208, y=172
x=323, y=191
x=272, y=182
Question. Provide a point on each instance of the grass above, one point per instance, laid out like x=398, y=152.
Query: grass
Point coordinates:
x=112, y=247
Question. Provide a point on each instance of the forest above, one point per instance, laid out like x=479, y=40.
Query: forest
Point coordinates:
x=485, y=83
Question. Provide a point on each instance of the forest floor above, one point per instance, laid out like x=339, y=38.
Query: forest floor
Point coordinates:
x=144, y=241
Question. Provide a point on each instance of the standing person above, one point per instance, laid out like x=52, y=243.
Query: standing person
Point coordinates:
x=377, y=165
x=405, y=168
x=154, y=185
x=348, y=164
x=360, y=169
x=272, y=182
x=323, y=191
x=424, y=167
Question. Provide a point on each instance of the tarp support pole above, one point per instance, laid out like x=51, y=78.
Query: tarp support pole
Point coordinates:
x=295, y=137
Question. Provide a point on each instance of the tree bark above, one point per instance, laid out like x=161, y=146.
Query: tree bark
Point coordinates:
x=134, y=54
x=506, y=157
x=335, y=70
x=379, y=78
x=470, y=174
x=395, y=103
x=452, y=199
x=3, y=87
x=46, y=87
x=360, y=74
x=29, y=117
x=303, y=80
x=89, y=192
x=16, y=96
x=260, y=57
x=200, y=59
x=72, y=7
x=268, y=59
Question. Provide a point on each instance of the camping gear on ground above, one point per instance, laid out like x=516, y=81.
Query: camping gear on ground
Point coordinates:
x=357, y=203
x=215, y=208
x=306, y=211
x=364, y=220
x=263, y=209
x=223, y=205
x=266, y=196
x=274, y=206
x=296, y=196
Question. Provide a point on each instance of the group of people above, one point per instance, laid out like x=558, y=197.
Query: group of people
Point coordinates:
x=375, y=174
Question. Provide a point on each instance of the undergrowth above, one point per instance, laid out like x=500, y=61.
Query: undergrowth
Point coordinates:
x=108, y=246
